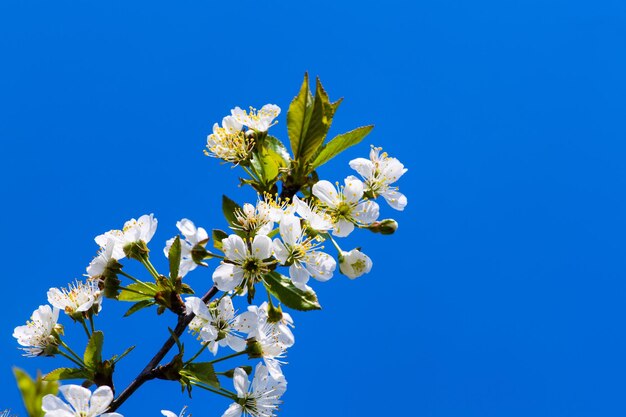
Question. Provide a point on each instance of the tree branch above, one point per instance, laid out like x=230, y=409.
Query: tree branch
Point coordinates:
x=148, y=372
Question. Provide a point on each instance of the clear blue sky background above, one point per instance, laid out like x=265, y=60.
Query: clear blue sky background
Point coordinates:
x=502, y=293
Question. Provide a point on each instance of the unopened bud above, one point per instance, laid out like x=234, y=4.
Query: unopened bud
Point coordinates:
x=384, y=227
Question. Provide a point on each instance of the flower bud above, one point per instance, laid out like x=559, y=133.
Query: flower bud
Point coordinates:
x=384, y=227
x=355, y=263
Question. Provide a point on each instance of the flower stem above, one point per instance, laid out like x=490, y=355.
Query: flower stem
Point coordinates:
x=92, y=324
x=243, y=352
x=70, y=358
x=69, y=349
x=82, y=322
x=226, y=394
x=145, y=260
x=204, y=346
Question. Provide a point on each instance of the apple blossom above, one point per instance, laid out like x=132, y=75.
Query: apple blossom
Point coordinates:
x=39, y=335
x=82, y=403
x=242, y=264
x=194, y=236
x=355, y=263
x=260, y=120
x=217, y=325
x=259, y=400
x=78, y=297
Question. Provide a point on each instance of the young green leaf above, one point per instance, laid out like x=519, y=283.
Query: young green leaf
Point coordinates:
x=139, y=306
x=68, y=373
x=321, y=118
x=33, y=391
x=93, y=352
x=340, y=143
x=138, y=292
x=298, y=116
x=228, y=208
x=282, y=288
x=218, y=236
x=174, y=257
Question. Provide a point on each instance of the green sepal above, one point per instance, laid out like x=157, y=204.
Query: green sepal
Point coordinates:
x=201, y=371
x=283, y=289
x=340, y=143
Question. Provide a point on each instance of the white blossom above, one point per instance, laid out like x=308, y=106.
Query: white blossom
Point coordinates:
x=82, y=403
x=345, y=205
x=355, y=263
x=242, y=265
x=37, y=335
x=215, y=326
x=193, y=236
x=253, y=219
x=78, y=297
x=140, y=230
x=260, y=120
x=256, y=321
x=229, y=142
x=99, y=264
x=316, y=218
x=379, y=172
x=300, y=252
x=259, y=400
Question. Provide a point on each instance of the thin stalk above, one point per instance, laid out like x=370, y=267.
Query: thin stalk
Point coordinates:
x=146, y=262
x=226, y=394
x=69, y=349
x=204, y=346
x=243, y=352
x=91, y=324
x=71, y=359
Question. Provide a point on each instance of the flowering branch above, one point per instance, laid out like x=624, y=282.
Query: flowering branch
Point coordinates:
x=273, y=252
x=148, y=372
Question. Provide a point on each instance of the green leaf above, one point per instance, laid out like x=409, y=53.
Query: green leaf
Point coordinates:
x=298, y=117
x=218, y=236
x=321, y=119
x=139, y=306
x=282, y=288
x=93, y=352
x=67, y=373
x=116, y=358
x=33, y=391
x=228, y=208
x=340, y=143
x=270, y=159
x=231, y=372
x=138, y=292
x=201, y=371
x=174, y=257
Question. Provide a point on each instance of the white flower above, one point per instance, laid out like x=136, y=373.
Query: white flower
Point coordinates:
x=140, y=230
x=36, y=335
x=216, y=326
x=99, y=264
x=79, y=297
x=82, y=403
x=242, y=265
x=168, y=413
x=355, y=263
x=317, y=219
x=379, y=172
x=255, y=219
x=255, y=321
x=273, y=338
x=299, y=251
x=345, y=206
x=193, y=236
x=229, y=142
x=260, y=120
x=260, y=400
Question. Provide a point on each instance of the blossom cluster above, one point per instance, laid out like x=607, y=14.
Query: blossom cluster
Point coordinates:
x=296, y=235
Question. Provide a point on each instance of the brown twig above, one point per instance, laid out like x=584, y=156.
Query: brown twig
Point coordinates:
x=148, y=372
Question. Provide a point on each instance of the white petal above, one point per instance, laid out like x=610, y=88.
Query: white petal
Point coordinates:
x=363, y=166
x=299, y=276
x=240, y=381
x=280, y=251
x=236, y=343
x=226, y=309
x=290, y=229
x=77, y=396
x=226, y=277
x=234, y=410
x=343, y=228
x=326, y=192
x=321, y=265
x=366, y=212
x=235, y=248
x=353, y=191
x=52, y=402
x=168, y=413
x=186, y=227
x=396, y=199
x=261, y=247
x=100, y=400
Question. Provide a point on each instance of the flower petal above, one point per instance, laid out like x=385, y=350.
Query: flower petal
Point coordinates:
x=100, y=400
x=226, y=277
x=240, y=381
x=353, y=190
x=326, y=192
x=261, y=247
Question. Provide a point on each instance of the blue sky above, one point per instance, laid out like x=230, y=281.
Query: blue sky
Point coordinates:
x=502, y=292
